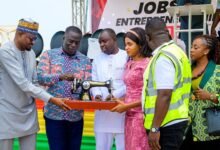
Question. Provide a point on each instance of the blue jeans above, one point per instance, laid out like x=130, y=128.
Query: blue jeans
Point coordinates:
x=64, y=135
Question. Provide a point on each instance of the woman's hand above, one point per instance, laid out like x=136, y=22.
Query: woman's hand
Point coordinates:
x=121, y=107
x=201, y=94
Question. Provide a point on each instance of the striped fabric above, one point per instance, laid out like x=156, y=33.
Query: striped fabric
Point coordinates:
x=88, y=141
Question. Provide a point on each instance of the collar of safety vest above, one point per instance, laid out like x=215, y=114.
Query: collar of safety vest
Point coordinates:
x=163, y=45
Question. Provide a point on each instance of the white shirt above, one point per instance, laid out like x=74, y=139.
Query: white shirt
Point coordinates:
x=164, y=73
x=107, y=67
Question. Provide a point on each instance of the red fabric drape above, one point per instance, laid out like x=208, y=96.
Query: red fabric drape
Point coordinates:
x=97, y=10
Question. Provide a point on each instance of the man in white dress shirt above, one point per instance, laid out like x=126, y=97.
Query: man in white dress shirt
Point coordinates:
x=18, y=113
x=110, y=64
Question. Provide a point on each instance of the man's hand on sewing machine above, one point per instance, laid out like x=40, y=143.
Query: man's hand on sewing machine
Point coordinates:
x=67, y=77
x=109, y=97
x=98, y=98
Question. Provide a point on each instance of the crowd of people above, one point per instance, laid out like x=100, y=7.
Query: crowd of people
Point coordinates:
x=161, y=96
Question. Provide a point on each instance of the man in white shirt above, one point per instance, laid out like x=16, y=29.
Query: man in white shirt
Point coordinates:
x=110, y=64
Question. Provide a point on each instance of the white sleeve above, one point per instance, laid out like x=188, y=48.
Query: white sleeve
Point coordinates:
x=95, y=90
x=164, y=73
x=120, y=92
x=13, y=67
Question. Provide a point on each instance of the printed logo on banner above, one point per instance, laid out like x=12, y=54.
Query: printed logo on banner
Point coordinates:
x=135, y=13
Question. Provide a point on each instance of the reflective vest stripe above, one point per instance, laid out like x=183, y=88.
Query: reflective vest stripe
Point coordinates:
x=185, y=81
x=172, y=106
x=152, y=92
x=179, y=71
x=178, y=107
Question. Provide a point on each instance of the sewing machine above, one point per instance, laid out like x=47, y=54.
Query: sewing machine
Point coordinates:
x=86, y=85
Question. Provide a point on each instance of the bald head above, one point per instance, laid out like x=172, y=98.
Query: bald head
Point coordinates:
x=156, y=24
x=111, y=33
x=156, y=33
x=108, y=41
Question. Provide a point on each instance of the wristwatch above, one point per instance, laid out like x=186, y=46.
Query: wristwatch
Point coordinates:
x=155, y=130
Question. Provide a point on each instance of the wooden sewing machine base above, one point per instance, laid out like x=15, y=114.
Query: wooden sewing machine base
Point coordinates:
x=79, y=104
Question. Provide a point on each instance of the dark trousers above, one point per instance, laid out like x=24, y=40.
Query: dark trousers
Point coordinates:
x=171, y=137
x=64, y=135
x=189, y=144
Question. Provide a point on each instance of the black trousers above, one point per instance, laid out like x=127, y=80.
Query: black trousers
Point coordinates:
x=189, y=144
x=171, y=137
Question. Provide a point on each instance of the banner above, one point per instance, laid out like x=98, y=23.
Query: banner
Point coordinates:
x=97, y=11
x=123, y=15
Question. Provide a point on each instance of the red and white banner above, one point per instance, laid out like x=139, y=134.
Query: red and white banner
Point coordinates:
x=122, y=15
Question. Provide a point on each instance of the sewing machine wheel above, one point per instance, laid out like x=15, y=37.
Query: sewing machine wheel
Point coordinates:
x=86, y=85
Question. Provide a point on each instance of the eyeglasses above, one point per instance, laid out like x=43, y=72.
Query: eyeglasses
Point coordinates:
x=31, y=37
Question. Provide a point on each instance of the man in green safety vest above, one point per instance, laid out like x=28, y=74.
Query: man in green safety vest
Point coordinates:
x=167, y=83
